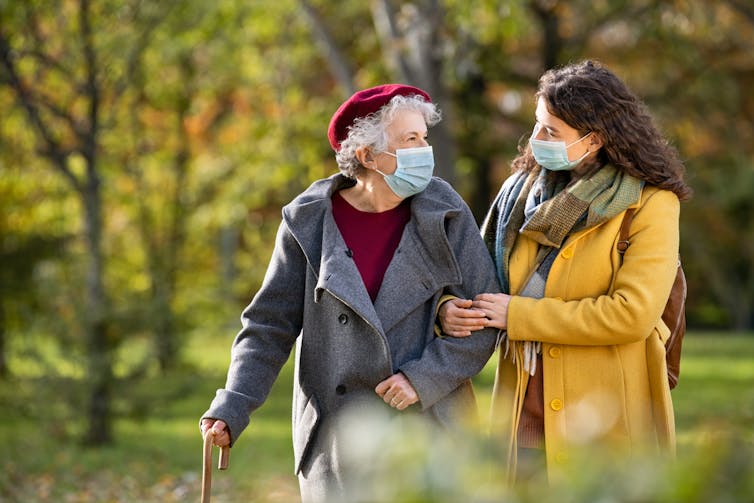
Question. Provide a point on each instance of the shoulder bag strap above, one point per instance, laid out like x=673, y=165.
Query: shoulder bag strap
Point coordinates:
x=625, y=226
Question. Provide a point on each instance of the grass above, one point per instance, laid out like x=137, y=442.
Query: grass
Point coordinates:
x=157, y=452
x=716, y=388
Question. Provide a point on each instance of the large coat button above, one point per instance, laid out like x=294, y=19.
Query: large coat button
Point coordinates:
x=340, y=389
x=343, y=319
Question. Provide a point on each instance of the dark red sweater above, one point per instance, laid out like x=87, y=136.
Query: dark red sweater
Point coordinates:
x=371, y=237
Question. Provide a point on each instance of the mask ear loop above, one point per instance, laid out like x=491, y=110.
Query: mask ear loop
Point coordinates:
x=580, y=139
x=388, y=153
x=588, y=151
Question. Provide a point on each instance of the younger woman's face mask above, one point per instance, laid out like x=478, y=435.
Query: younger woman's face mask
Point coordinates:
x=413, y=172
x=553, y=155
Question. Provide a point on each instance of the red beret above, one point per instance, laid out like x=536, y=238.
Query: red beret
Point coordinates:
x=362, y=104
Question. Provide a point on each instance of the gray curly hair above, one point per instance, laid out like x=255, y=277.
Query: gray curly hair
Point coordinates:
x=371, y=131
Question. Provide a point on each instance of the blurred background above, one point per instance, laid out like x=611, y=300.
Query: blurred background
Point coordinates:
x=146, y=149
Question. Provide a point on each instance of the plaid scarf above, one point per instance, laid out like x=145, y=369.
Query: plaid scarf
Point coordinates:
x=547, y=210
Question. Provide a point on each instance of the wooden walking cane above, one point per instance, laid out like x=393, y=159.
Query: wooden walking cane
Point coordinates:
x=222, y=463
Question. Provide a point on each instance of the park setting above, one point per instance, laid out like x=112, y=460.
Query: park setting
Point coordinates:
x=147, y=149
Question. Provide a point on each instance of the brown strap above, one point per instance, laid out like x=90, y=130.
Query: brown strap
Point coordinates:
x=625, y=226
x=222, y=464
x=674, y=314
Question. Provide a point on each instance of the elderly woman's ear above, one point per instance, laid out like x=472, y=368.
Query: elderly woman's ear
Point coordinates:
x=365, y=156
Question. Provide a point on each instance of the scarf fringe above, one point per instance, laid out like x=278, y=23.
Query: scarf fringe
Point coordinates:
x=522, y=382
x=526, y=355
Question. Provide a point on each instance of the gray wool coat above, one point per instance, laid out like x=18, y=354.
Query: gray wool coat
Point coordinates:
x=313, y=295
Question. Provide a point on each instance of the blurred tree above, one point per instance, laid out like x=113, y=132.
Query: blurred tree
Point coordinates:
x=410, y=39
x=32, y=230
x=159, y=204
x=712, y=94
x=162, y=120
x=52, y=66
x=19, y=256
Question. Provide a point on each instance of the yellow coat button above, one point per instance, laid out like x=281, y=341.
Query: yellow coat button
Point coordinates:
x=556, y=404
x=554, y=352
x=567, y=253
x=560, y=458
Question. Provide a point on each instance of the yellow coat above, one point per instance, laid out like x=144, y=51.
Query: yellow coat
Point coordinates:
x=603, y=355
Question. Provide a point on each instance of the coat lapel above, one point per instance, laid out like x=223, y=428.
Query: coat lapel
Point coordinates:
x=310, y=220
x=419, y=268
x=339, y=275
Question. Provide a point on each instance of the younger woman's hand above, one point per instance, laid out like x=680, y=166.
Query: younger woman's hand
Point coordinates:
x=495, y=308
x=458, y=319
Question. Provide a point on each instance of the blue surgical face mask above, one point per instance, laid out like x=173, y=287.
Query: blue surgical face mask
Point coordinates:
x=553, y=155
x=413, y=172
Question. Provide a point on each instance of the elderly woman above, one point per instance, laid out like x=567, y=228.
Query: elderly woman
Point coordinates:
x=360, y=262
x=585, y=363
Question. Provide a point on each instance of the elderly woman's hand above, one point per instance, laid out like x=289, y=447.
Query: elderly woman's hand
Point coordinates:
x=495, y=308
x=219, y=428
x=458, y=319
x=397, y=391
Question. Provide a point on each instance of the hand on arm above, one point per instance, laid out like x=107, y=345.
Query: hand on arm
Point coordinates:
x=458, y=319
x=397, y=391
x=495, y=308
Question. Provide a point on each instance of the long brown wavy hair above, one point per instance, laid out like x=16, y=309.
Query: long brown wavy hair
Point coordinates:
x=590, y=98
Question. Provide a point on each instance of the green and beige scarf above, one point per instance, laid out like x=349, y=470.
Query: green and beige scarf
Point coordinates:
x=547, y=209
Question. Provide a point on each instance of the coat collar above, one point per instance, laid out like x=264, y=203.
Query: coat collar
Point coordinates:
x=423, y=262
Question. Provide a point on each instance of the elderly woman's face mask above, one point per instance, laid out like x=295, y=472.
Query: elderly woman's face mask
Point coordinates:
x=413, y=171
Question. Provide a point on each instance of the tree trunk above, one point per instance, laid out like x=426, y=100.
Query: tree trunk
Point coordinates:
x=98, y=343
x=164, y=325
x=3, y=361
x=552, y=43
x=339, y=65
x=99, y=348
x=742, y=317
x=415, y=59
